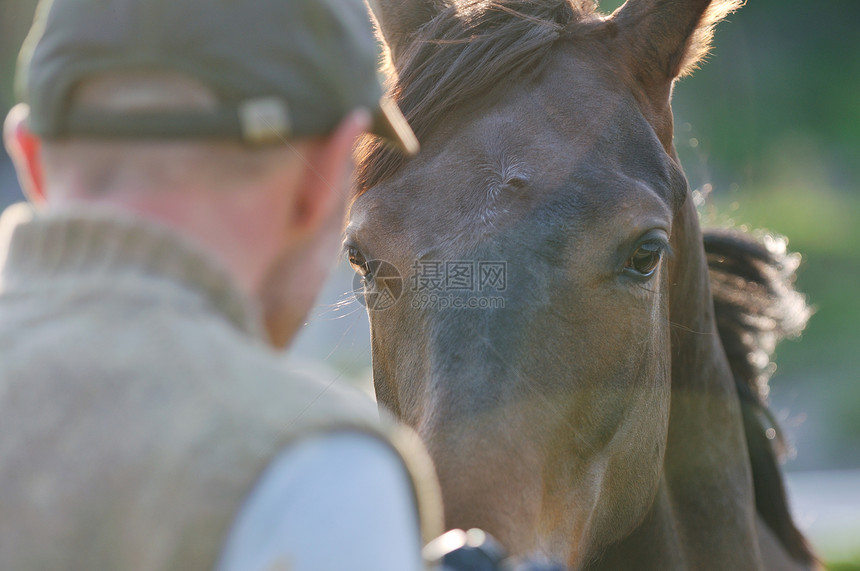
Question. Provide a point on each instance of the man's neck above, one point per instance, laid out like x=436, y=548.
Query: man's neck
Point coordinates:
x=237, y=239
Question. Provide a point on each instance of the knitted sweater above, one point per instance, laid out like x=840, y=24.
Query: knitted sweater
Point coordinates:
x=139, y=401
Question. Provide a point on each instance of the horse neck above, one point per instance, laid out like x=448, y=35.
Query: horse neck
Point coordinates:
x=704, y=514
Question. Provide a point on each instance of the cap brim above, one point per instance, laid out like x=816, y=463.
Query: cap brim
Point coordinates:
x=389, y=123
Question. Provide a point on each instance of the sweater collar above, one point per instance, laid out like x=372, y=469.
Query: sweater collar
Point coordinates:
x=86, y=243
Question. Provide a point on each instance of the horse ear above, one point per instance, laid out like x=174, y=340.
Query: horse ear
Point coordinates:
x=397, y=20
x=669, y=37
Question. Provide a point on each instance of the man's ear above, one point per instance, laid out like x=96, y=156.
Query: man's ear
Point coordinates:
x=25, y=149
x=328, y=164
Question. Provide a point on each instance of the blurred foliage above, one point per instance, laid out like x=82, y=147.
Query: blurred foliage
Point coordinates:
x=15, y=19
x=771, y=126
x=779, y=99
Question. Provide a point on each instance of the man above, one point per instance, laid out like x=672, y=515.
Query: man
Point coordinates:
x=188, y=163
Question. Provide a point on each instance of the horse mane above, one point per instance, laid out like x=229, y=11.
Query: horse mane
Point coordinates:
x=466, y=51
x=756, y=306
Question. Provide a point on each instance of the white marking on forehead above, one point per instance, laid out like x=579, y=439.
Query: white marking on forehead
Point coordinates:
x=503, y=176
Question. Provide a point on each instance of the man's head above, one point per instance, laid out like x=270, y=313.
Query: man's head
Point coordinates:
x=232, y=121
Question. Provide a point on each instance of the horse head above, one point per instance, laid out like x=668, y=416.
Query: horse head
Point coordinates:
x=553, y=337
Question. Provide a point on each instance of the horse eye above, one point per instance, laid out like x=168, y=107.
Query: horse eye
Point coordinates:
x=357, y=260
x=644, y=261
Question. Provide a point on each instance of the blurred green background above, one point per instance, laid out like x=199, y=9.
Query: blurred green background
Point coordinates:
x=770, y=125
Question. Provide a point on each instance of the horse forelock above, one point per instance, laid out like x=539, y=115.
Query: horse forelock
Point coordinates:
x=463, y=53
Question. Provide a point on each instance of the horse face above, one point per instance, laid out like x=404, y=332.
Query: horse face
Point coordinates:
x=529, y=345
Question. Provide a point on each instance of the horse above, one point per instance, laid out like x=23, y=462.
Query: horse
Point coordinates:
x=607, y=409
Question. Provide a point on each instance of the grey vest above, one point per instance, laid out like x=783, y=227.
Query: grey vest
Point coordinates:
x=139, y=403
